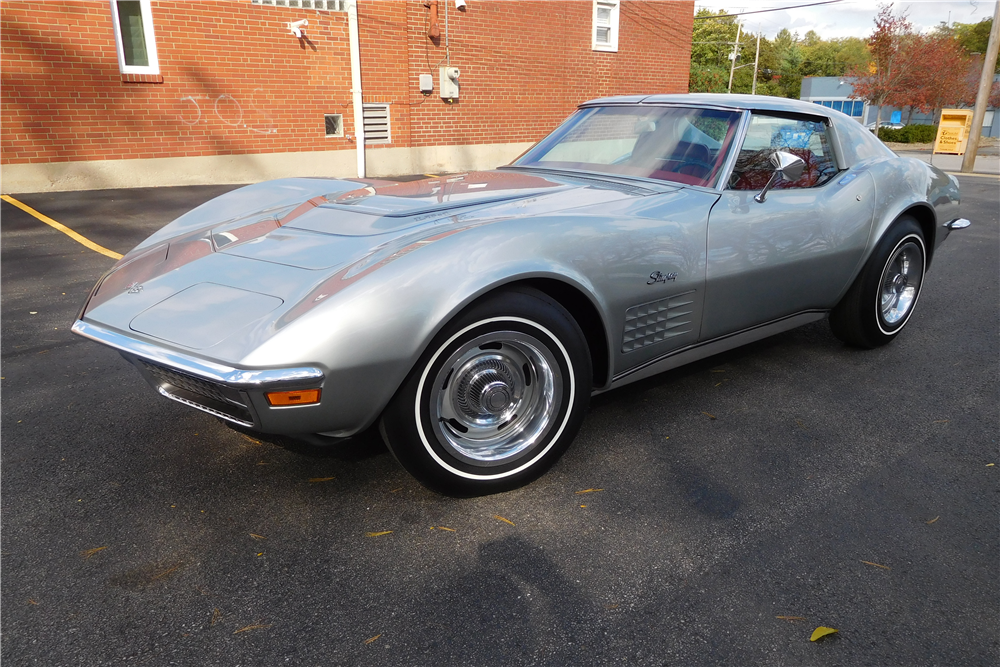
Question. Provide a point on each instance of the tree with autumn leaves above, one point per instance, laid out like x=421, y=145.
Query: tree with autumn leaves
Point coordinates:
x=895, y=67
x=891, y=61
x=913, y=71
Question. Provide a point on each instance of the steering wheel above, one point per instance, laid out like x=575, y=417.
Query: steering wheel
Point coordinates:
x=694, y=167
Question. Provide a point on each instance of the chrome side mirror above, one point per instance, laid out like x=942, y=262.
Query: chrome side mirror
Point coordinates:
x=786, y=166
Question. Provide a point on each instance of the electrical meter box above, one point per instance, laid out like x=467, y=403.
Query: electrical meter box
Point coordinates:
x=448, y=86
x=953, y=131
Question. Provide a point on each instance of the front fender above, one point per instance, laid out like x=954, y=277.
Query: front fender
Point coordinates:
x=369, y=335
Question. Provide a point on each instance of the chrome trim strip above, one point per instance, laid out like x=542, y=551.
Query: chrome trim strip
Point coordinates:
x=958, y=223
x=734, y=152
x=698, y=351
x=203, y=408
x=236, y=377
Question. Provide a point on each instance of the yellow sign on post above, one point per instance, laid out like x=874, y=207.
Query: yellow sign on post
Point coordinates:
x=953, y=131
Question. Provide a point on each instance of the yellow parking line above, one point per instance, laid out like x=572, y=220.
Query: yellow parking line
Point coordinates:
x=62, y=228
x=960, y=173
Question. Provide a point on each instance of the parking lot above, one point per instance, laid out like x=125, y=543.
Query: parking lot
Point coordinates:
x=716, y=514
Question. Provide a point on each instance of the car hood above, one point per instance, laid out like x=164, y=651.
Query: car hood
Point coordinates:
x=259, y=257
x=354, y=207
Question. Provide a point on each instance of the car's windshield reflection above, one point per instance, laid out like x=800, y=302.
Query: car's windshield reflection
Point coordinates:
x=683, y=145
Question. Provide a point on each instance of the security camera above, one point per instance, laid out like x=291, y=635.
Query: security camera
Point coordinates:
x=297, y=27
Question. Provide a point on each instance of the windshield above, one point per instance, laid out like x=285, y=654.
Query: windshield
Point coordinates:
x=684, y=145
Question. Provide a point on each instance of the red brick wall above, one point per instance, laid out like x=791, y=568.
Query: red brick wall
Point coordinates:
x=236, y=82
x=526, y=65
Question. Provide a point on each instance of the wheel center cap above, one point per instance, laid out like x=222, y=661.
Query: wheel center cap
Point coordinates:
x=495, y=397
x=899, y=284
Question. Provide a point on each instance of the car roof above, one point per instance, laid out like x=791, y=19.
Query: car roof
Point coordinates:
x=760, y=102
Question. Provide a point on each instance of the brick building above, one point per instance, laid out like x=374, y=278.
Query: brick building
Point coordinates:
x=121, y=93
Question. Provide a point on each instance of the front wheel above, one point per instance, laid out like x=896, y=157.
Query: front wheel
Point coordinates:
x=883, y=296
x=495, y=400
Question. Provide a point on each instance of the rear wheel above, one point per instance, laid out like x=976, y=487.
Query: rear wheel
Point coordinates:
x=496, y=399
x=882, y=298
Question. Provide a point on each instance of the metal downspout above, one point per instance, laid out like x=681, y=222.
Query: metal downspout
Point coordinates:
x=359, y=111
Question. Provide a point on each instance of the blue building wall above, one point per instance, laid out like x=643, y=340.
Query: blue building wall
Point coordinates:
x=835, y=92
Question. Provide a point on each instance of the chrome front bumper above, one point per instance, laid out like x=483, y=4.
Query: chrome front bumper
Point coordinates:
x=233, y=394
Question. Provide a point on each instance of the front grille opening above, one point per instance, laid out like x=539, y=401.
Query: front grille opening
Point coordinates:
x=211, y=397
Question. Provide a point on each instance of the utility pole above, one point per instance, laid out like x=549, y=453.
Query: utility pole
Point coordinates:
x=734, y=55
x=985, y=83
x=756, y=58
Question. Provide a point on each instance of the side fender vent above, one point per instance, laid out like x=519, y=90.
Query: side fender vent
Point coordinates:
x=656, y=321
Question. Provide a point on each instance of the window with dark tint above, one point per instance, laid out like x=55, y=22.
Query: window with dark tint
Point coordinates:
x=133, y=37
x=804, y=137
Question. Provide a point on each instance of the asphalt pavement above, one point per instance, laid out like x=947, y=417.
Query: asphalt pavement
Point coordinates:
x=713, y=515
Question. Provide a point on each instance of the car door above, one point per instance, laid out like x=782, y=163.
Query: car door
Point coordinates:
x=796, y=250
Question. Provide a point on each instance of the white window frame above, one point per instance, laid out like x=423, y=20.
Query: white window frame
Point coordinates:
x=340, y=125
x=147, y=33
x=612, y=25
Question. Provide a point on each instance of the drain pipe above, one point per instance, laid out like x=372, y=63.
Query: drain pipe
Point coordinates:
x=359, y=111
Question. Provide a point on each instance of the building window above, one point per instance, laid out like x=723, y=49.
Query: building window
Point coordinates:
x=376, y=119
x=134, y=37
x=851, y=108
x=334, y=123
x=605, y=32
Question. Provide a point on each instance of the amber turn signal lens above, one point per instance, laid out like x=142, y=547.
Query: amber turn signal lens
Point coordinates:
x=303, y=397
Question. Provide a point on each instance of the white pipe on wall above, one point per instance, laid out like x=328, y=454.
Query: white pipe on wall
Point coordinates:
x=359, y=112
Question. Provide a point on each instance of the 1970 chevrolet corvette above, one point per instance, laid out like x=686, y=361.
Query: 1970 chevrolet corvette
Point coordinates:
x=472, y=316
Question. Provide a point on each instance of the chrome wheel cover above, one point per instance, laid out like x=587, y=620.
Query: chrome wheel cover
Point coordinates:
x=900, y=283
x=495, y=398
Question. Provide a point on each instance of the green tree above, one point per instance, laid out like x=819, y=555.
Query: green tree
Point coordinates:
x=711, y=44
x=974, y=37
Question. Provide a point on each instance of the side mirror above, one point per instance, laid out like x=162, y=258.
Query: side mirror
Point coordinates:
x=786, y=166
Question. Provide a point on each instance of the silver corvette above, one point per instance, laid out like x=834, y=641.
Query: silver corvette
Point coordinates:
x=472, y=316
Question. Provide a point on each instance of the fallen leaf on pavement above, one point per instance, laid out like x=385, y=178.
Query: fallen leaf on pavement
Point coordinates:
x=255, y=626
x=588, y=491
x=167, y=572
x=216, y=617
x=821, y=632
x=378, y=534
x=371, y=639
x=87, y=553
x=884, y=567
x=500, y=518
x=257, y=537
x=30, y=601
x=450, y=530
x=707, y=414
x=313, y=480
x=932, y=520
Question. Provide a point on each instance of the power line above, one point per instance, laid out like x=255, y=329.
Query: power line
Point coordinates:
x=764, y=11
